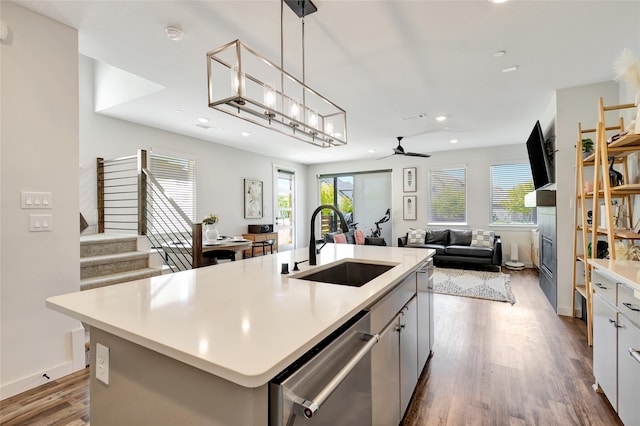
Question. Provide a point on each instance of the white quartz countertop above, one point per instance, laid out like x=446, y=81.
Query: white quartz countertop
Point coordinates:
x=627, y=271
x=242, y=321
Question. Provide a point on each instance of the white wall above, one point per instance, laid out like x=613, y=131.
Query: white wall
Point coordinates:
x=573, y=105
x=220, y=170
x=477, y=162
x=39, y=141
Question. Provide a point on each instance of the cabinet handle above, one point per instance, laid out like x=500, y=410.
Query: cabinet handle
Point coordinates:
x=615, y=324
x=630, y=306
x=634, y=354
x=599, y=285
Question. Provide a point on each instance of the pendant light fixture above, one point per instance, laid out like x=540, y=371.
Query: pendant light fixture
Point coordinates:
x=247, y=85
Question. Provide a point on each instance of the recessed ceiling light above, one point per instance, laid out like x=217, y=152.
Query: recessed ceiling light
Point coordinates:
x=174, y=33
x=441, y=117
x=453, y=141
x=414, y=116
x=372, y=151
x=499, y=53
x=178, y=110
x=498, y=1
x=245, y=134
x=203, y=119
x=510, y=69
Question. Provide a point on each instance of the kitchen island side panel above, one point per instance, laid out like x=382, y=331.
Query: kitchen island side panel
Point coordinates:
x=146, y=387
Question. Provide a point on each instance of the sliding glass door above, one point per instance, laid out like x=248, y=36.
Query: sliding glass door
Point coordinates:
x=363, y=198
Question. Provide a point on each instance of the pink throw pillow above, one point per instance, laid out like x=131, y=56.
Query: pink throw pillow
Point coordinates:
x=340, y=239
x=359, y=236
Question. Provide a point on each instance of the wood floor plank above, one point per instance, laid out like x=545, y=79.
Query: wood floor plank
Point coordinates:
x=496, y=363
x=493, y=364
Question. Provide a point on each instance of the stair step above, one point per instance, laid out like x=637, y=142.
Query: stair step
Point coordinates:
x=95, y=266
x=102, y=244
x=121, y=277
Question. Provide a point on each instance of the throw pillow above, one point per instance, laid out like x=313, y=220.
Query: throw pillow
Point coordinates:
x=460, y=237
x=437, y=236
x=481, y=238
x=340, y=239
x=359, y=236
x=416, y=236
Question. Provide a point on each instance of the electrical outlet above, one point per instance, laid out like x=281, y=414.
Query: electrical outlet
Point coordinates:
x=102, y=363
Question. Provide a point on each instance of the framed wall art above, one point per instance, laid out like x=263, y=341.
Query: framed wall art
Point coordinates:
x=409, y=179
x=252, y=199
x=409, y=208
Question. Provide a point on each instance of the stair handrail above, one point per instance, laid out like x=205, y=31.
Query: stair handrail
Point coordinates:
x=174, y=226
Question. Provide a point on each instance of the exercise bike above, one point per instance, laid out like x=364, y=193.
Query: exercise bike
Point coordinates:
x=385, y=219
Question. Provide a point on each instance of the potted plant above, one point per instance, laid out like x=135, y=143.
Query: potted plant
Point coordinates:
x=210, y=227
x=587, y=147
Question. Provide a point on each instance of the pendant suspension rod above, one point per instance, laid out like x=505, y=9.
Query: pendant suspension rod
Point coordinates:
x=282, y=54
x=304, y=94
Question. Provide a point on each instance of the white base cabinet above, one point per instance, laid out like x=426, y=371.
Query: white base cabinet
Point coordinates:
x=605, y=347
x=403, y=320
x=616, y=343
x=628, y=372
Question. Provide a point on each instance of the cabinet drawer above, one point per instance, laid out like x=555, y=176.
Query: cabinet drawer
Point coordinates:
x=628, y=372
x=604, y=286
x=388, y=307
x=628, y=304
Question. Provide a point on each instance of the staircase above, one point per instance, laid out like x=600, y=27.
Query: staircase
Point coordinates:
x=107, y=259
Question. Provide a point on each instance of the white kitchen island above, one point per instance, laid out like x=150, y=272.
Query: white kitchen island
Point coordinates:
x=200, y=346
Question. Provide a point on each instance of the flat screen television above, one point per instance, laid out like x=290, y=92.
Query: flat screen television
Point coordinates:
x=540, y=158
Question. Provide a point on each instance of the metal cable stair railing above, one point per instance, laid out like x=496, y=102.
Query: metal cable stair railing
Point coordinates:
x=130, y=199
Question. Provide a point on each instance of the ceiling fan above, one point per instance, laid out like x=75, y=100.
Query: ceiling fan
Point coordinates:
x=399, y=150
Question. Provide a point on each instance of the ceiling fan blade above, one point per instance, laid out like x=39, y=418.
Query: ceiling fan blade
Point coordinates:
x=386, y=156
x=415, y=154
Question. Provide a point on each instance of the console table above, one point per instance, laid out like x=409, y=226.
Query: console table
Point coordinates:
x=260, y=250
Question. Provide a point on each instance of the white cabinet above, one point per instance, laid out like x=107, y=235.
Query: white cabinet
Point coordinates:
x=628, y=372
x=604, y=347
x=394, y=359
x=408, y=353
x=424, y=305
x=616, y=339
x=385, y=378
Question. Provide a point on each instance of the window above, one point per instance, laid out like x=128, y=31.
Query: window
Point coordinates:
x=448, y=196
x=177, y=177
x=509, y=184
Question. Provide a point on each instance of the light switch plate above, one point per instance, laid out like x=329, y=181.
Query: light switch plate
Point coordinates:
x=102, y=363
x=40, y=223
x=36, y=200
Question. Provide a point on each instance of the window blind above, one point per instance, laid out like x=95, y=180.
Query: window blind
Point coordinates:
x=448, y=196
x=178, y=178
x=509, y=184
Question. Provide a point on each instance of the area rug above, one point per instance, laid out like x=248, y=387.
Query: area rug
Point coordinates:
x=478, y=284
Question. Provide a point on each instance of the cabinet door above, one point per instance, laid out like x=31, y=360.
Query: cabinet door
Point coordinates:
x=604, y=348
x=408, y=354
x=385, y=378
x=628, y=372
x=424, y=317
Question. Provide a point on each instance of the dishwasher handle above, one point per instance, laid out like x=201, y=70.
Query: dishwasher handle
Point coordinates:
x=308, y=408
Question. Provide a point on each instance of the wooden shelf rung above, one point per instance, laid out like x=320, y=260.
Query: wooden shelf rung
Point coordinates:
x=582, y=290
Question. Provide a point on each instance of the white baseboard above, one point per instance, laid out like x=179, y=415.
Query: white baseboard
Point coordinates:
x=77, y=363
x=35, y=380
x=565, y=311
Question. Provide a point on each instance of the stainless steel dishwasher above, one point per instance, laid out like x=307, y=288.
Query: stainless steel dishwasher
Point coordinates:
x=330, y=384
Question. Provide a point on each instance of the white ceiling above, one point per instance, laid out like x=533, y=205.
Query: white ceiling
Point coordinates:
x=381, y=61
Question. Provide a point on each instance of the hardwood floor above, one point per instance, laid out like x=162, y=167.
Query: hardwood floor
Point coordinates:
x=60, y=402
x=493, y=364
x=498, y=364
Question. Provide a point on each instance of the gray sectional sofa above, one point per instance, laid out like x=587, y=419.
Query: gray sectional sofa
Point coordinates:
x=459, y=247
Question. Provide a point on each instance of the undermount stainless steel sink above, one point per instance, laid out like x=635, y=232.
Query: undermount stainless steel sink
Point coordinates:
x=351, y=273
